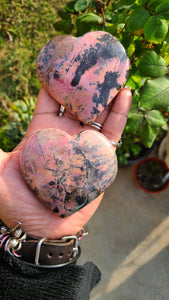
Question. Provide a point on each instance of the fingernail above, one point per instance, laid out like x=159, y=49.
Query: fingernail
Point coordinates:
x=128, y=87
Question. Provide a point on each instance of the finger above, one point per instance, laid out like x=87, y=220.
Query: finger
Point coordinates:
x=100, y=120
x=46, y=104
x=103, y=116
x=46, y=115
x=117, y=117
x=69, y=115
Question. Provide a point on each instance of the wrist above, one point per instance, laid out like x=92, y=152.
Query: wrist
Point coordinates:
x=43, y=253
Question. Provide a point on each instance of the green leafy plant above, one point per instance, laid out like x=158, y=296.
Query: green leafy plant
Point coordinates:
x=20, y=112
x=142, y=26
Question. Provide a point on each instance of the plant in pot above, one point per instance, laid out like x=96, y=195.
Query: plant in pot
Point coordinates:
x=152, y=175
x=146, y=124
x=142, y=26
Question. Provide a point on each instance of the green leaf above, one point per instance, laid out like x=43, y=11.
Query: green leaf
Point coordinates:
x=59, y=25
x=155, y=118
x=164, y=52
x=138, y=78
x=141, y=2
x=134, y=121
x=68, y=26
x=135, y=149
x=152, y=4
x=81, y=5
x=152, y=65
x=86, y=22
x=155, y=94
x=63, y=14
x=108, y=16
x=90, y=18
x=126, y=39
x=148, y=135
x=92, y=4
x=12, y=30
x=128, y=2
x=135, y=100
x=130, y=50
x=167, y=36
x=64, y=25
x=112, y=29
x=131, y=82
x=21, y=105
x=137, y=19
x=155, y=29
x=122, y=4
x=69, y=7
x=163, y=9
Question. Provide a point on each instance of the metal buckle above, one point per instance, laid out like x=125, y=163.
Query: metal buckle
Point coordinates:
x=76, y=242
x=70, y=237
x=38, y=248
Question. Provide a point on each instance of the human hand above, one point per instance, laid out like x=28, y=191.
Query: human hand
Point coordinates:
x=18, y=203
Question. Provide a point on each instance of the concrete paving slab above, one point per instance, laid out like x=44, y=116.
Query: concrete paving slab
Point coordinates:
x=129, y=241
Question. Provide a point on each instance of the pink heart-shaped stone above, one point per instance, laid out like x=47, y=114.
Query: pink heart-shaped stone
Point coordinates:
x=67, y=172
x=84, y=74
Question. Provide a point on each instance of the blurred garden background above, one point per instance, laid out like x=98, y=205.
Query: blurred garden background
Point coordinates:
x=142, y=26
x=25, y=26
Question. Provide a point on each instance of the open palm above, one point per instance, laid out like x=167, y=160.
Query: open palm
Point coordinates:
x=18, y=203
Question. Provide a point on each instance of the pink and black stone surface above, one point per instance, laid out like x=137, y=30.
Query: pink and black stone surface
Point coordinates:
x=67, y=172
x=83, y=74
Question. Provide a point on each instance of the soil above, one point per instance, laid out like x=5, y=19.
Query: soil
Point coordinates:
x=150, y=174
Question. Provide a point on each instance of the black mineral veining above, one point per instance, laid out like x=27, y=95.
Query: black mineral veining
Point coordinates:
x=105, y=38
x=107, y=50
x=116, y=49
x=54, y=198
x=110, y=82
x=88, y=60
x=80, y=200
x=55, y=210
x=56, y=74
x=51, y=183
x=95, y=111
x=46, y=56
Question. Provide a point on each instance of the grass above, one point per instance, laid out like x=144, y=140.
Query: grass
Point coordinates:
x=25, y=26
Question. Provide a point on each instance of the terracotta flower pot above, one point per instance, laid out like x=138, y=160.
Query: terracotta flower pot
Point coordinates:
x=148, y=175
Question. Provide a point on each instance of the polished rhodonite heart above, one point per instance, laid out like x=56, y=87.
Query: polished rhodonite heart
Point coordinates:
x=67, y=172
x=84, y=74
